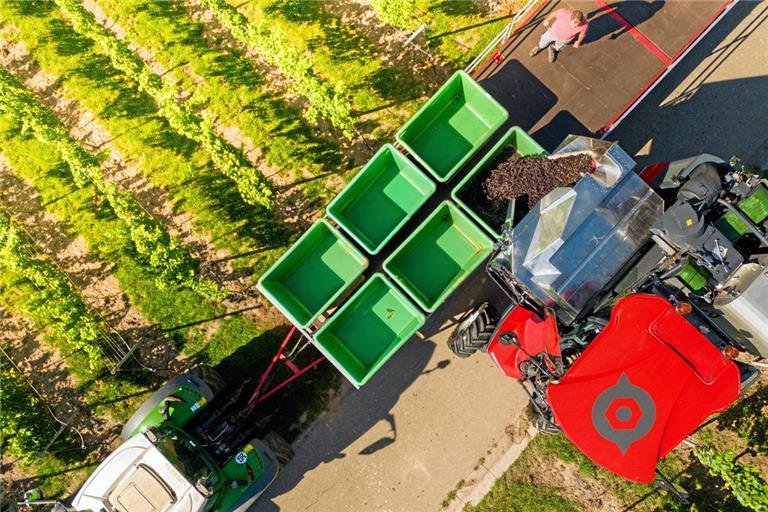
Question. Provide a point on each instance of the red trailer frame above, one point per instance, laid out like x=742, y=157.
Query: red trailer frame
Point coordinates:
x=506, y=47
x=262, y=391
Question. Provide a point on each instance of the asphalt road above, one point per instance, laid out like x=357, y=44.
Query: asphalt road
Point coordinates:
x=715, y=101
x=404, y=441
x=406, y=438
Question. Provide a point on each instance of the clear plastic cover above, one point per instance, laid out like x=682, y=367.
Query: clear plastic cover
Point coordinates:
x=575, y=240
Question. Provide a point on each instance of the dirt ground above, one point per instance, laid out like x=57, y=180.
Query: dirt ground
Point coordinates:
x=47, y=373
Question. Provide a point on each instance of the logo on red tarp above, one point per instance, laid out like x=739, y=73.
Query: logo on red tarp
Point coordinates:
x=623, y=413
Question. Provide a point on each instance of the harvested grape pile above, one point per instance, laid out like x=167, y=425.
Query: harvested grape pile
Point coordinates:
x=534, y=176
x=493, y=212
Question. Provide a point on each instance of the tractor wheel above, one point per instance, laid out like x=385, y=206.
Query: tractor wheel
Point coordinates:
x=474, y=332
x=541, y=423
x=210, y=376
x=280, y=447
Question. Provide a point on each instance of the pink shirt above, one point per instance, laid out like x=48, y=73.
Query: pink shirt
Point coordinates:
x=561, y=28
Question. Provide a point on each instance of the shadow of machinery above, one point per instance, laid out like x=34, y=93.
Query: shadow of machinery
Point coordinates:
x=360, y=410
x=289, y=410
x=356, y=413
x=722, y=118
x=728, y=125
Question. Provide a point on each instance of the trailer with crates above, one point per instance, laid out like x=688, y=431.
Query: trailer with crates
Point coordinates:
x=636, y=291
x=607, y=281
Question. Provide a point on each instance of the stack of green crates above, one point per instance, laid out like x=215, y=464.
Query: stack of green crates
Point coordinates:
x=314, y=283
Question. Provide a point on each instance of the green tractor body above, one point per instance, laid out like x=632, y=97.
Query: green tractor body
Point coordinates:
x=161, y=465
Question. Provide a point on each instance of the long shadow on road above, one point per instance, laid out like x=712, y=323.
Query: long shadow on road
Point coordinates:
x=329, y=438
x=690, y=112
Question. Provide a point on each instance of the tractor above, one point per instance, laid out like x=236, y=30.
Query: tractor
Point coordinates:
x=177, y=454
x=632, y=299
x=192, y=446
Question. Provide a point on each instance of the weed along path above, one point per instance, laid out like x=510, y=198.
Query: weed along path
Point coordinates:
x=403, y=440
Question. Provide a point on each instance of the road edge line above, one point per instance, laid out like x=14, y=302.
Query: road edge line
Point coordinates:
x=480, y=481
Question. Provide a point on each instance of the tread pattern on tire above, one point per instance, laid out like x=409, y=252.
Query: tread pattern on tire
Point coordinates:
x=211, y=377
x=280, y=447
x=474, y=333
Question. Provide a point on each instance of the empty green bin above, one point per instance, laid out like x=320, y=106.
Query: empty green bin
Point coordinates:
x=381, y=198
x=452, y=126
x=315, y=271
x=368, y=329
x=438, y=256
x=469, y=193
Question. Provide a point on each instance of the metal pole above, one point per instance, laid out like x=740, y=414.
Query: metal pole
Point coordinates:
x=502, y=36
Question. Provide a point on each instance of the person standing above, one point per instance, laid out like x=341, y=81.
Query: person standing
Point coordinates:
x=563, y=27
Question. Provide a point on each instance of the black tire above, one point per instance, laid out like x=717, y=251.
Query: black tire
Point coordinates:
x=280, y=447
x=210, y=376
x=541, y=423
x=474, y=332
x=166, y=390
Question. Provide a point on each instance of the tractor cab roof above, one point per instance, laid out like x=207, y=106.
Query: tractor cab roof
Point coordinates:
x=143, y=489
x=647, y=381
x=137, y=477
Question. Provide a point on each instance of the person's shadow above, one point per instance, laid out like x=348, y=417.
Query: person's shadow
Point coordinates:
x=602, y=24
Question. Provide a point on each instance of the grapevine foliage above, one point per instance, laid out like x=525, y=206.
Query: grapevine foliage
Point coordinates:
x=26, y=427
x=70, y=318
x=253, y=187
x=398, y=13
x=744, y=480
x=150, y=238
x=324, y=99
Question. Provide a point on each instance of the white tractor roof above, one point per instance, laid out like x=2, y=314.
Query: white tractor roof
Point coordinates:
x=136, y=477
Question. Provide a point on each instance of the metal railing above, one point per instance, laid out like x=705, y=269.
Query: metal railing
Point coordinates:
x=502, y=36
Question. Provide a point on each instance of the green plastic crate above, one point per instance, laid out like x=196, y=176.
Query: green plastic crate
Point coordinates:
x=456, y=121
x=381, y=198
x=368, y=329
x=315, y=271
x=515, y=139
x=438, y=256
